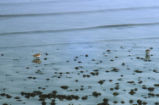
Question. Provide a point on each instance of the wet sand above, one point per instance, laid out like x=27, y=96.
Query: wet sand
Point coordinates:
x=103, y=73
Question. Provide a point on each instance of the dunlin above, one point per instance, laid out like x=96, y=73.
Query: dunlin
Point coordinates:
x=37, y=55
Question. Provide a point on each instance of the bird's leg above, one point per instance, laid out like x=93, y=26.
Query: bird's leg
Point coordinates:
x=147, y=58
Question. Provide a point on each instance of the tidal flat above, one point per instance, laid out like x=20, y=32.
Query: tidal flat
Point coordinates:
x=101, y=73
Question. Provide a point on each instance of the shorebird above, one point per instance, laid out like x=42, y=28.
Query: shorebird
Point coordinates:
x=37, y=55
x=147, y=55
x=147, y=52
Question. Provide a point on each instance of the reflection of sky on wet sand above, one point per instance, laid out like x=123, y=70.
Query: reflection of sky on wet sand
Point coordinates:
x=56, y=71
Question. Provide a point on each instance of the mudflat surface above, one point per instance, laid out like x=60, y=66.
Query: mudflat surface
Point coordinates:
x=81, y=74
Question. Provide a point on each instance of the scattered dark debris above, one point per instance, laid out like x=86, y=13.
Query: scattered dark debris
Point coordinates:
x=84, y=97
x=47, y=79
x=86, y=75
x=111, y=89
x=76, y=80
x=38, y=72
x=156, y=85
x=108, y=51
x=115, y=69
x=43, y=103
x=76, y=68
x=81, y=88
x=111, y=60
x=107, y=71
x=31, y=77
x=101, y=82
x=132, y=92
x=139, y=102
x=115, y=94
x=123, y=64
x=116, y=57
x=45, y=58
x=144, y=87
x=100, y=61
x=53, y=102
x=17, y=97
x=151, y=95
x=81, y=71
x=115, y=102
x=64, y=87
x=46, y=54
x=96, y=94
x=94, y=73
x=67, y=61
x=137, y=57
x=131, y=101
x=86, y=55
x=8, y=96
x=156, y=71
x=156, y=103
x=110, y=80
x=5, y=95
x=27, y=67
x=79, y=61
x=151, y=88
x=122, y=102
x=105, y=102
x=140, y=82
x=52, y=95
x=138, y=71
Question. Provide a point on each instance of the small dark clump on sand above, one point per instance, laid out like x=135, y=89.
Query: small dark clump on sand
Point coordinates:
x=101, y=82
x=115, y=94
x=86, y=55
x=132, y=92
x=84, y=97
x=138, y=71
x=64, y=87
x=105, y=102
x=96, y=94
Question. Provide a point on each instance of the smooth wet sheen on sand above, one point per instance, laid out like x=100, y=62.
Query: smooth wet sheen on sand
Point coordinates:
x=93, y=73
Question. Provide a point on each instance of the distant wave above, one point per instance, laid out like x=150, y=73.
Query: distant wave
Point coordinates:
x=82, y=28
x=76, y=12
x=27, y=2
x=37, y=2
x=90, y=42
